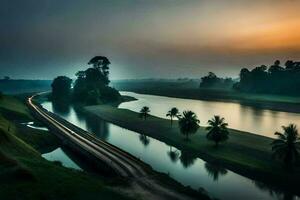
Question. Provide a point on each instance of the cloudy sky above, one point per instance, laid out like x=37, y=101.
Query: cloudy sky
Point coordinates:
x=41, y=39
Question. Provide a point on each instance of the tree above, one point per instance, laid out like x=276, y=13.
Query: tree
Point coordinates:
x=275, y=68
x=286, y=146
x=174, y=112
x=101, y=68
x=188, y=123
x=61, y=88
x=1, y=95
x=144, y=112
x=91, y=85
x=217, y=130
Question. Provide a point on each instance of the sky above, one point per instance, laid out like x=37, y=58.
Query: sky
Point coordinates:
x=146, y=38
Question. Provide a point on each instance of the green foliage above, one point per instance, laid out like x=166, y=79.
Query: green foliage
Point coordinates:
x=91, y=85
x=212, y=81
x=188, y=123
x=273, y=80
x=217, y=130
x=144, y=112
x=61, y=88
x=287, y=146
x=174, y=112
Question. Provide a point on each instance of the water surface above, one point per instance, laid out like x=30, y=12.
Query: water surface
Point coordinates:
x=183, y=167
x=246, y=118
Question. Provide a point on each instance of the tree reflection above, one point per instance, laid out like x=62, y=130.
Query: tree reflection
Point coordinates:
x=97, y=126
x=174, y=155
x=187, y=159
x=215, y=170
x=62, y=108
x=274, y=191
x=144, y=139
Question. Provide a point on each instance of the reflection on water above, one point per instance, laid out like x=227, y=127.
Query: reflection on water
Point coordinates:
x=241, y=117
x=174, y=155
x=182, y=166
x=35, y=126
x=215, y=170
x=187, y=159
x=59, y=155
x=144, y=139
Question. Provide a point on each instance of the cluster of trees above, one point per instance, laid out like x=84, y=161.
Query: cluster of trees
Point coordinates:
x=274, y=79
x=189, y=124
x=90, y=87
x=286, y=147
x=215, y=82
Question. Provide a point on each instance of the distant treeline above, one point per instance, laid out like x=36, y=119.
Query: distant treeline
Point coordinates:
x=274, y=79
x=214, y=82
x=11, y=86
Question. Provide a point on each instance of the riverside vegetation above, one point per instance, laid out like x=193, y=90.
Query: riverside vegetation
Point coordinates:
x=23, y=168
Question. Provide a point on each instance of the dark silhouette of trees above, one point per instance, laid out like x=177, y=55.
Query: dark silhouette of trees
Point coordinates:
x=188, y=123
x=287, y=146
x=61, y=88
x=212, y=81
x=174, y=112
x=144, y=112
x=273, y=80
x=1, y=95
x=91, y=85
x=217, y=130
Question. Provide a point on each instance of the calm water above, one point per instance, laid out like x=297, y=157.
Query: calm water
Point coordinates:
x=59, y=155
x=183, y=167
x=241, y=117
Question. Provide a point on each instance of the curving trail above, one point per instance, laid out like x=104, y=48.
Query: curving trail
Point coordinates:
x=142, y=181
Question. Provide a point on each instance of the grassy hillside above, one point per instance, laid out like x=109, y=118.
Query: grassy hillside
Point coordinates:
x=24, y=174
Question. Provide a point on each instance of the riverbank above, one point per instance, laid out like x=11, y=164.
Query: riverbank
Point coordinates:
x=24, y=174
x=244, y=153
x=272, y=102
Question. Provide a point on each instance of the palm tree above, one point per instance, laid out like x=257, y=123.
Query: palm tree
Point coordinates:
x=174, y=112
x=217, y=130
x=144, y=112
x=188, y=123
x=287, y=147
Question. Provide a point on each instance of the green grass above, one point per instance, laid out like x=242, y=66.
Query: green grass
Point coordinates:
x=245, y=153
x=24, y=174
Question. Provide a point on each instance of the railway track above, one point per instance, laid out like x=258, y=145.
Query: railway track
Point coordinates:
x=122, y=163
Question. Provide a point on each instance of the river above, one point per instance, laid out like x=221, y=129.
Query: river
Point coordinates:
x=246, y=118
x=186, y=169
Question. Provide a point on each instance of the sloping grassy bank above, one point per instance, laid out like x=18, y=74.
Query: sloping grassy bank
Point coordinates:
x=245, y=153
x=24, y=174
x=274, y=102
